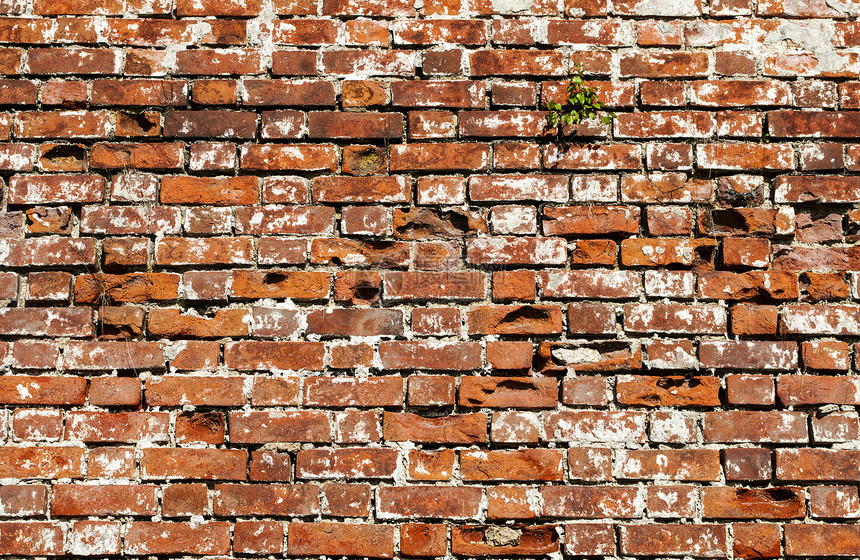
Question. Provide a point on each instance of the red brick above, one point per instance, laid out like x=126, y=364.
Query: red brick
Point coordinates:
x=31, y=538
x=285, y=157
x=52, y=189
x=672, y=391
x=24, y=500
x=706, y=541
x=42, y=462
x=516, y=63
x=337, y=125
x=111, y=463
x=589, y=356
x=522, y=465
x=510, y=355
x=363, y=93
x=743, y=426
x=169, y=390
x=437, y=502
x=37, y=425
x=82, y=500
x=589, y=539
x=347, y=500
x=487, y=541
x=120, y=427
x=200, y=427
x=361, y=189
x=594, y=425
x=258, y=537
x=344, y=392
x=750, y=390
x=266, y=499
x=150, y=537
x=73, y=61
x=834, y=501
x=42, y=390
x=785, y=502
x=155, y=156
x=504, y=392
x=340, y=539
x=135, y=221
x=423, y=539
x=439, y=157
x=276, y=391
x=431, y=465
x=204, y=464
x=828, y=540
x=748, y=355
x=589, y=502
x=453, y=356
x=459, y=428
x=674, y=319
x=431, y=390
x=584, y=391
x=264, y=427
x=365, y=220
x=349, y=463
x=511, y=502
x=745, y=156
x=675, y=464
x=434, y=285
x=299, y=285
x=593, y=157
x=372, y=63
x=219, y=191
x=208, y=62
x=672, y=501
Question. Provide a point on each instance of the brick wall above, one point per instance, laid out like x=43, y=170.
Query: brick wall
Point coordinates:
x=309, y=277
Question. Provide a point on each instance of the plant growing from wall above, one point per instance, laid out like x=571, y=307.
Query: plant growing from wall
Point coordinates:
x=581, y=104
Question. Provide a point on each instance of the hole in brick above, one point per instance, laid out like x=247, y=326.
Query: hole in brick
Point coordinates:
x=525, y=313
x=704, y=257
x=366, y=292
x=141, y=120
x=66, y=152
x=274, y=278
x=515, y=385
x=667, y=383
x=209, y=421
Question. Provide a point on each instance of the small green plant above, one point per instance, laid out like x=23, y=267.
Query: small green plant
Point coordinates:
x=581, y=104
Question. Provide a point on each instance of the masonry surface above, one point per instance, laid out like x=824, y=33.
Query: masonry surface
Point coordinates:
x=310, y=278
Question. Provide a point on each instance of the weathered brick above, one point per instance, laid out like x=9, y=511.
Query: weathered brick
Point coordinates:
x=120, y=427
x=704, y=541
x=151, y=537
x=438, y=502
x=80, y=500
x=745, y=426
x=683, y=464
x=589, y=502
x=339, y=539
x=266, y=499
x=460, y=428
x=204, y=464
